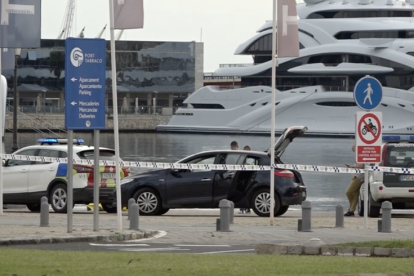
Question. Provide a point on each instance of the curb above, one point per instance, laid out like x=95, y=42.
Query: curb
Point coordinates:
x=87, y=238
x=348, y=251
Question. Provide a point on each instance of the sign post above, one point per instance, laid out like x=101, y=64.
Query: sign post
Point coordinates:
x=368, y=129
x=85, y=71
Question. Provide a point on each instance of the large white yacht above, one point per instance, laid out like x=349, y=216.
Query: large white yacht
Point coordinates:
x=340, y=41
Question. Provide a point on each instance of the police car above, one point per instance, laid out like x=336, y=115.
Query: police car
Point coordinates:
x=26, y=182
x=398, y=188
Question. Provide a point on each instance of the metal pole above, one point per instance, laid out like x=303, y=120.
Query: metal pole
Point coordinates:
x=366, y=187
x=2, y=113
x=115, y=107
x=14, y=146
x=96, y=180
x=69, y=201
x=273, y=118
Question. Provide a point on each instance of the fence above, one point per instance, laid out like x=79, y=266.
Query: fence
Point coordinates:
x=141, y=110
x=297, y=167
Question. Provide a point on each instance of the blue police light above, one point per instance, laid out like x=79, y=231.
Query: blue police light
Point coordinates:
x=398, y=138
x=48, y=140
x=58, y=141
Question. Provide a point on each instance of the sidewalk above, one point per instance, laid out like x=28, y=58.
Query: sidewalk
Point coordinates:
x=197, y=226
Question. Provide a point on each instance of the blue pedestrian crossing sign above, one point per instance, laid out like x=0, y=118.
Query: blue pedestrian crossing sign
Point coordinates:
x=368, y=93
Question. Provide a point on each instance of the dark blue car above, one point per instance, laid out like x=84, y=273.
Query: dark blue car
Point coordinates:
x=157, y=191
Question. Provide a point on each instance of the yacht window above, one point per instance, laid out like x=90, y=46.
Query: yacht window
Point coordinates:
x=253, y=104
x=345, y=104
x=264, y=103
x=401, y=105
x=208, y=106
x=384, y=104
x=374, y=34
x=184, y=114
x=411, y=54
x=359, y=14
x=263, y=46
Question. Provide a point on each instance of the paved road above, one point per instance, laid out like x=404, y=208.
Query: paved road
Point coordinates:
x=141, y=246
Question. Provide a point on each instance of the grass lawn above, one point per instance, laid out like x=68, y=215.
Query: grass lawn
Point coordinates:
x=386, y=244
x=75, y=263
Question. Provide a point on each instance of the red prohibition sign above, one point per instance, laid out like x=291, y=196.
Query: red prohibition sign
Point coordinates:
x=362, y=122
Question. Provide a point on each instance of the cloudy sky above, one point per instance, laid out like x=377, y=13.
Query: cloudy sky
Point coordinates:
x=224, y=23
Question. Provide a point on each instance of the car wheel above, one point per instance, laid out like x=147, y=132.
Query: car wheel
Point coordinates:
x=58, y=198
x=283, y=209
x=260, y=203
x=33, y=207
x=163, y=211
x=109, y=208
x=149, y=203
x=373, y=211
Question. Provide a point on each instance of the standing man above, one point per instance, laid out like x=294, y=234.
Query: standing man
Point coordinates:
x=353, y=189
x=234, y=145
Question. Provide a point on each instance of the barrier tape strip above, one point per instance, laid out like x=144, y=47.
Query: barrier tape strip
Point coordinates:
x=297, y=167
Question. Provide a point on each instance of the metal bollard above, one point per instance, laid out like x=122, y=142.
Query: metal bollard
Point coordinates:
x=231, y=212
x=224, y=215
x=130, y=202
x=299, y=225
x=386, y=208
x=44, y=212
x=306, y=216
x=134, y=217
x=339, y=220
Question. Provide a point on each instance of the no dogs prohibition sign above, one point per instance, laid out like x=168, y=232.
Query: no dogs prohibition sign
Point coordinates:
x=368, y=137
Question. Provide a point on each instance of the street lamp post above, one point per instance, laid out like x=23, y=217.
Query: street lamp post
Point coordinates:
x=14, y=145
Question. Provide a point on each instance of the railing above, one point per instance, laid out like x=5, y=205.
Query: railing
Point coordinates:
x=142, y=110
x=288, y=87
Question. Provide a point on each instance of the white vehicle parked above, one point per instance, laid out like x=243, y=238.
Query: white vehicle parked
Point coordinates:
x=398, y=188
x=26, y=182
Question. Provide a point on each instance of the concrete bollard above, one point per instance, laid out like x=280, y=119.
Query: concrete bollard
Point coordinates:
x=134, y=217
x=218, y=224
x=130, y=202
x=339, y=218
x=306, y=216
x=224, y=215
x=299, y=225
x=231, y=212
x=386, y=208
x=44, y=212
x=379, y=225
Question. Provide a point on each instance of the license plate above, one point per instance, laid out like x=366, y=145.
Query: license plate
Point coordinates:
x=108, y=175
x=409, y=177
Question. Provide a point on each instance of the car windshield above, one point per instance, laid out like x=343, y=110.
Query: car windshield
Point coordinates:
x=103, y=154
x=400, y=155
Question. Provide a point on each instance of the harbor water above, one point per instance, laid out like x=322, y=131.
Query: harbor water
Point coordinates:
x=325, y=190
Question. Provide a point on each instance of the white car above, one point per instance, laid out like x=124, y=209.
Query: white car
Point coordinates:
x=26, y=182
x=398, y=188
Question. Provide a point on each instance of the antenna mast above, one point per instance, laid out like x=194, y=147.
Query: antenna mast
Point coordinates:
x=68, y=20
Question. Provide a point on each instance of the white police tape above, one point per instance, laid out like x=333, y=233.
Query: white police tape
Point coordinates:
x=297, y=167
